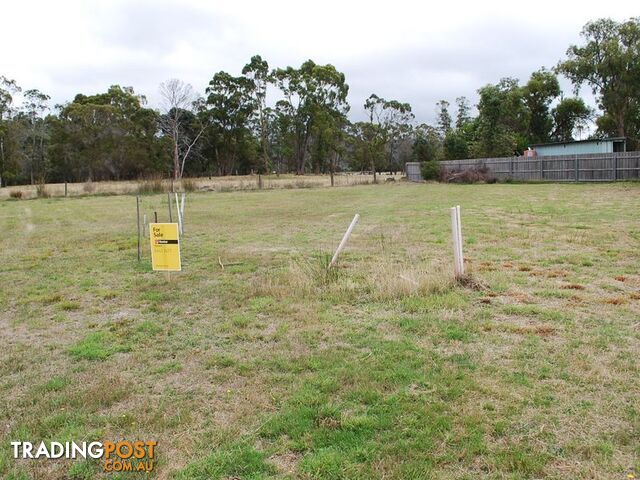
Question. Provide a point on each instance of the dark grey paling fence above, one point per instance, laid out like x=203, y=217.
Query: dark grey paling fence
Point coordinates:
x=596, y=167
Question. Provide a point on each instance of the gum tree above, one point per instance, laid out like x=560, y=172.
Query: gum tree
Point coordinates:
x=608, y=62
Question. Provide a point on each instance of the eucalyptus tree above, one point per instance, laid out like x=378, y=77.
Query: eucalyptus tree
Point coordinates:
x=463, y=115
x=257, y=71
x=503, y=120
x=228, y=110
x=328, y=140
x=427, y=149
x=110, y=135
x=368, y=146
x=609, y=62
x=281, y=139
x=427, y=146
x=456, y=143
x=444, y=117
x=539, y=92
x=8, y=88
x=33, y=109
x=569, y=115
x=391, y=125
x=309, y=93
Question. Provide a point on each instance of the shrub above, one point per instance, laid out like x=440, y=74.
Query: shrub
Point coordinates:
x=42, y=191
x=89, y=187
x=17, y=194
x=430, y=170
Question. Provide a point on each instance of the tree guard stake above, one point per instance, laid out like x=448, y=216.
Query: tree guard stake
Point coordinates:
x=344, y=241
x=456, y=233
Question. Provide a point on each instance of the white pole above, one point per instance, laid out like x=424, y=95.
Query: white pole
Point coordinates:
x=178, y=211
x=344, y=241
x=184, y=197
x=454, y=235
x=461, y=256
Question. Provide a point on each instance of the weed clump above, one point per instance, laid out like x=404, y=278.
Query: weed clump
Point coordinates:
x=152, y=185
x=188, y=185
x=468, y=281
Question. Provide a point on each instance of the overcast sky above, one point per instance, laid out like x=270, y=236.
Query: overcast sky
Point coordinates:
x=417, y=52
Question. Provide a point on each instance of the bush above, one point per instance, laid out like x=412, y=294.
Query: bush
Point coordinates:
x=430, y=170
x=89, y=187
x=41, y=191
x=17, y=194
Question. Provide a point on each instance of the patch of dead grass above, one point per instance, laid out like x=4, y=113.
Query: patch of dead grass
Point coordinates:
x=616, y=300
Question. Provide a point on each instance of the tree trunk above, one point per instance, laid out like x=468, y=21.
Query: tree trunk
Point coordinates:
x=373, y=167
x=332, y=163
x=1, y=159
x=620, y=125
x=176, y=160
x=33, y=153
x=263, y=137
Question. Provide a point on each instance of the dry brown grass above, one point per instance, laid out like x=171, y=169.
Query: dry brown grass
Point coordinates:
x=210, y=184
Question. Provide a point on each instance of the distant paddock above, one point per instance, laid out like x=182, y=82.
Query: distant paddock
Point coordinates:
x=209, y=184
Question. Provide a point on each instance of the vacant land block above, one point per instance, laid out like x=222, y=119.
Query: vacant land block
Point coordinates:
x=275, y=367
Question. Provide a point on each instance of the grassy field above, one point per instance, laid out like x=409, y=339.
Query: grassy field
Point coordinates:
x=382, y=368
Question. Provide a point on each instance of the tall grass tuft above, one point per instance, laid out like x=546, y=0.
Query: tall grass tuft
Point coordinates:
x=188, y=185
x=152, y=185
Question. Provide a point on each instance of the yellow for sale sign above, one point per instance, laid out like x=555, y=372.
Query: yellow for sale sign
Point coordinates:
x=165, y=247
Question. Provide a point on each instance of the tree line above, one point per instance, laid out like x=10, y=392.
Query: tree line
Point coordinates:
x=296, y=120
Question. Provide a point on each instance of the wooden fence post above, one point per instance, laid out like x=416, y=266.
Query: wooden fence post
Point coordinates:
x=541, y=168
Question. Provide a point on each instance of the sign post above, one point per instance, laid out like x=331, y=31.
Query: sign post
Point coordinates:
x=165, y=247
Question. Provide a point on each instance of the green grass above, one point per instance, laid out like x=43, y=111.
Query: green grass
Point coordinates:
x=275, y=367
x=95, y=346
